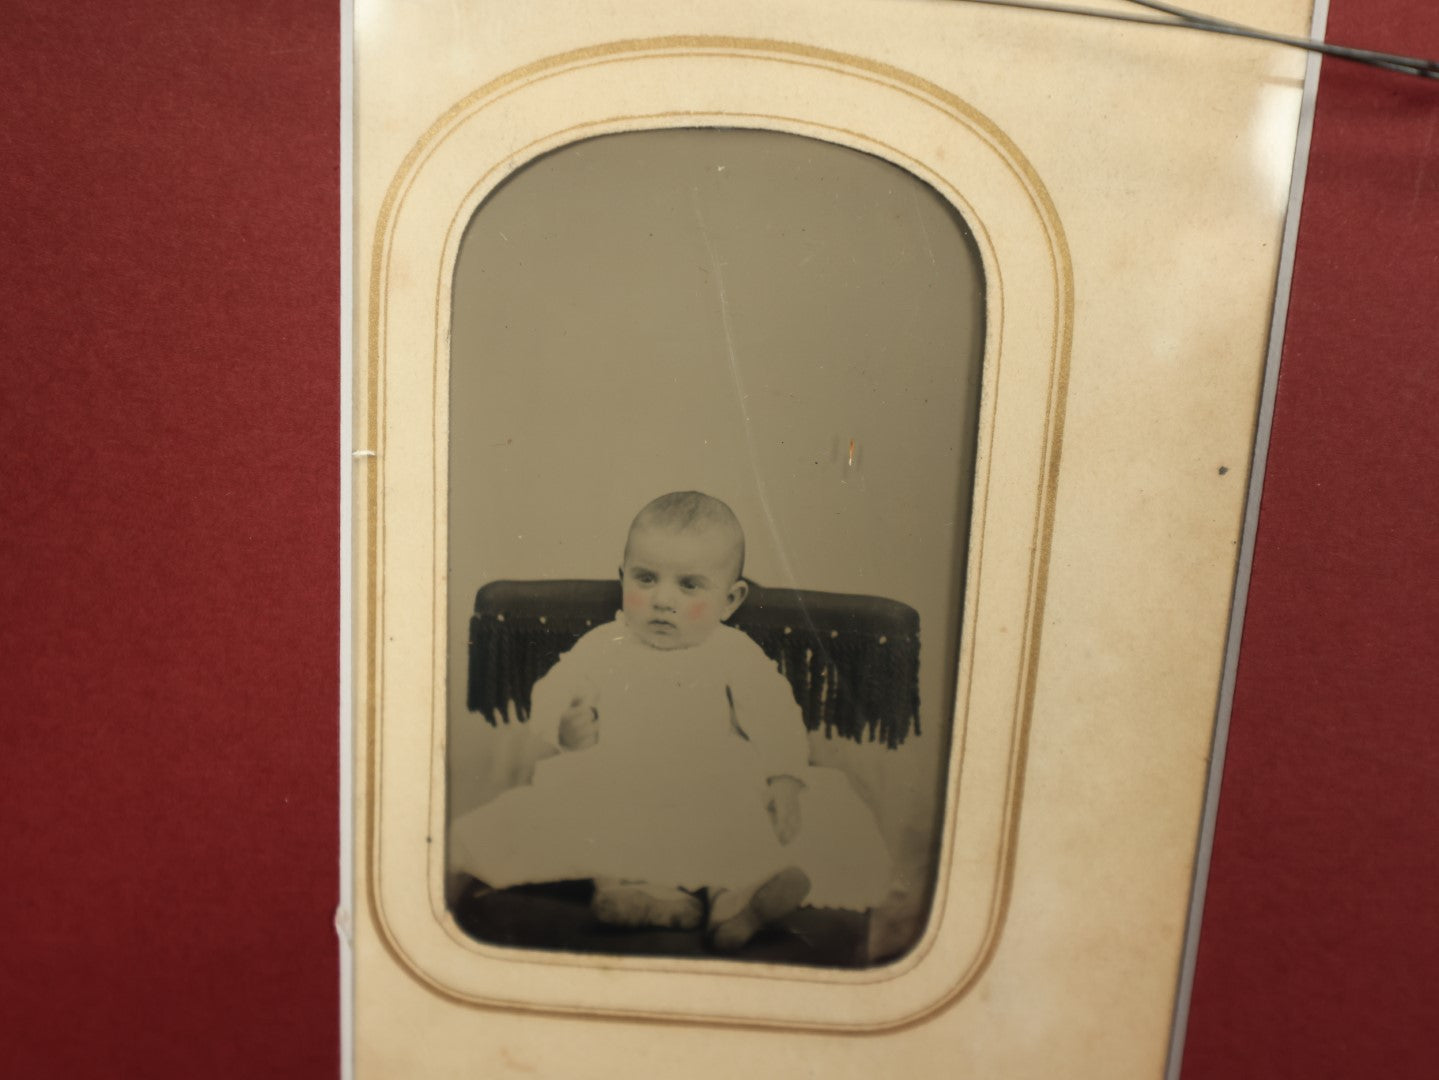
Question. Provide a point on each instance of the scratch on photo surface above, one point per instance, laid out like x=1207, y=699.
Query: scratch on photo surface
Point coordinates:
x=738, y=380
x=919, y=217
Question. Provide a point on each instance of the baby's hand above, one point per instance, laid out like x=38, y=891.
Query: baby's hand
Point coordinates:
x=783, y=807
x=579, y=725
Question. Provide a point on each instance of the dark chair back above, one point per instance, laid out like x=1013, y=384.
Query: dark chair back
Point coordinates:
x=853, y=661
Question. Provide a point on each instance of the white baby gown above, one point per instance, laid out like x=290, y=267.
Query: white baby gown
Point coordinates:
x=675, y=790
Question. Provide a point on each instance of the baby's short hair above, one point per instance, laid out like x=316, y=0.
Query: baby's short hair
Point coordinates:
x=684, y=510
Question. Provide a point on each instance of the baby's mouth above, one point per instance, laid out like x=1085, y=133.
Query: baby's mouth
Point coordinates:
x=661, y=624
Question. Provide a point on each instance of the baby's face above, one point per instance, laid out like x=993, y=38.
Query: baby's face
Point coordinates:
x=679, y=584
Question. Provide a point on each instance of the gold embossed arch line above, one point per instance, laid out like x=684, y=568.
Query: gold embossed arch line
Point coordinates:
x=877, y=73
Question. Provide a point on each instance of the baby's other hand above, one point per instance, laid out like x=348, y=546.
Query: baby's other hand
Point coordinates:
x=579, y=725
x=783, y=807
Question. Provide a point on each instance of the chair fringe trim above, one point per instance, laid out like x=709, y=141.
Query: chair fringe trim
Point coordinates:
x=854, y=685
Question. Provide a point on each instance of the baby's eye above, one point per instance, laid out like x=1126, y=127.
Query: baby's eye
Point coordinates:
x=645, y=579
x=689, y=586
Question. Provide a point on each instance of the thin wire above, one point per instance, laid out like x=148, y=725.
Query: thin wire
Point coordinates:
x=1424, y=69
x=1185, y=20
x=1181, y=13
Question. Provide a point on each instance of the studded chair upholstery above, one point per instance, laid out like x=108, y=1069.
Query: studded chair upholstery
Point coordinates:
x=853, y=661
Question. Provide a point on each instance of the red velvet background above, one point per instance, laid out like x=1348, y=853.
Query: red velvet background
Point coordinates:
x=169, y=312
x=1319, y=953
x=169, y=402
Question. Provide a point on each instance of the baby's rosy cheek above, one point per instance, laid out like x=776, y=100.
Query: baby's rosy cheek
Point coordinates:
x=698, y=611
x=634, y=598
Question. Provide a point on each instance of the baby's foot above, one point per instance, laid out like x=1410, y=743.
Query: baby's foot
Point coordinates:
x=773, y=900
x=638, y=903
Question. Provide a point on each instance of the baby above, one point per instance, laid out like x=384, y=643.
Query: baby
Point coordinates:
x=684, y=766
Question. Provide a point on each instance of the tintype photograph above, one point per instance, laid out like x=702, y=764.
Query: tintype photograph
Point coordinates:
x=713, y=397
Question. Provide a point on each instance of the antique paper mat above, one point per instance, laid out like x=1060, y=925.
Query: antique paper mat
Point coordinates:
x=1123, y=195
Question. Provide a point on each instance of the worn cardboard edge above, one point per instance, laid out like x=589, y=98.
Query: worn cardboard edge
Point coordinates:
x=344, y=913
x=1263, y=430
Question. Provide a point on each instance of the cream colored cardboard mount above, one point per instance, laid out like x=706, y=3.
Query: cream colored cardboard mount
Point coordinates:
x=959, y=309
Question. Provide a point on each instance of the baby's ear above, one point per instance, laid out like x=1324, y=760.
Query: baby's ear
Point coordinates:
x=736, y=596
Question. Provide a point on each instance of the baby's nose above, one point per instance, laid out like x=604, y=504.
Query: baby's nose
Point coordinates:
x=664, y=598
